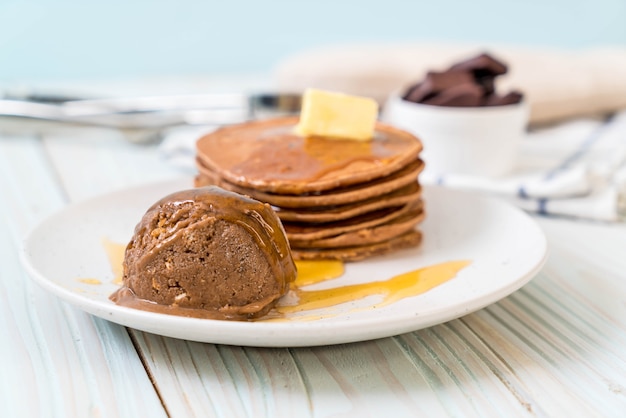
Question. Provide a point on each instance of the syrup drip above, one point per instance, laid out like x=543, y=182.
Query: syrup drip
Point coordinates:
x=90, y=281
x=115, y=253
x=300, y=300
x=404, y=285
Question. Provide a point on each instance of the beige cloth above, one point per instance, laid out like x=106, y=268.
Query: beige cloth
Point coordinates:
x=558, y=84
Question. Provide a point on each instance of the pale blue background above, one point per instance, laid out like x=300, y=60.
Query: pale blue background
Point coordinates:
x=68, y=39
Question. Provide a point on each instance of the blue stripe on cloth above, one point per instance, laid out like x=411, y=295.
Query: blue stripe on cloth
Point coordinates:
x=542, y=206
x=521, y=192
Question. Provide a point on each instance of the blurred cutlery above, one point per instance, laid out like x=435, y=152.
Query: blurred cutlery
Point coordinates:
x=148, y=113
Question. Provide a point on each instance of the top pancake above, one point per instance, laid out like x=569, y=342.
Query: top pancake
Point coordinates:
x=267, y=155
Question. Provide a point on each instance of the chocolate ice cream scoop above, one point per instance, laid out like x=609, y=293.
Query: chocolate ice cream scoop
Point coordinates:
x=207, y=253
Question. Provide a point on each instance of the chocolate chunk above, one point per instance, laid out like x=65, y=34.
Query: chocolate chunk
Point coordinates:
x=488, y=83
x=417, y=93
x=462, y=95
x=467, y=83
x=435, y=83
x=497, y=100
x=481, y=66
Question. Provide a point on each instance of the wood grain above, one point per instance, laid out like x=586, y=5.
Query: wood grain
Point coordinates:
x=557, y=347
x=57, y=361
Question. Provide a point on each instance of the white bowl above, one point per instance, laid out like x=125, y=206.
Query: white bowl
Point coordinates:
x=476, y=141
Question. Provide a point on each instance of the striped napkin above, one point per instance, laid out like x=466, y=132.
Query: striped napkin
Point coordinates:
x=574, y=169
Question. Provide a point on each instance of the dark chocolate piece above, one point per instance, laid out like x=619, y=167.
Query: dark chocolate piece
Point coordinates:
x=416, y=93
x=462, y=95
x=488, y=83
x=497, y=100
x=481, y=66
x=435, y=83
x=467, y=83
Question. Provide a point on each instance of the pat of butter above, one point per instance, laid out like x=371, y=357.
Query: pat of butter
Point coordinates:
x=337, y=115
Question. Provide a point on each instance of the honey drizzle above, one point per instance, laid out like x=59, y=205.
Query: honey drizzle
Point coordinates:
x=312, y=272
x=404, y=285
x=388, y=291
x=89, y=281
x=115, y=253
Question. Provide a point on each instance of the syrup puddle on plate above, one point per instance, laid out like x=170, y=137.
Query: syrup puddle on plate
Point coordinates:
x=89, y=280
x=299, y=301
x=115, y=253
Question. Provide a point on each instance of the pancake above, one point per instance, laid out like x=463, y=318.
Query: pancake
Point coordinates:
x=364, y=236
x=267, y=156
x=399, y=197
x=336, y=198
x=355, y=253
x=307, y=231
x=405, y=176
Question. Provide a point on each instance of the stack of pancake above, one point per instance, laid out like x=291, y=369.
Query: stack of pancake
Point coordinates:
x=336, y=198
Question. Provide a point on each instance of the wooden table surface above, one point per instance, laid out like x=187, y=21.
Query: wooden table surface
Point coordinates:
x=555, y=348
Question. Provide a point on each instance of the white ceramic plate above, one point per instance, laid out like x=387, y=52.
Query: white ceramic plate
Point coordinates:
x=506, y=248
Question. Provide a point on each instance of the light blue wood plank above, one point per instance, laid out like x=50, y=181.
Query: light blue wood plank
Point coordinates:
x=59, y=362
